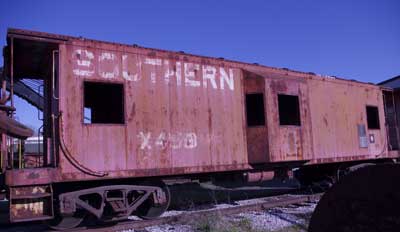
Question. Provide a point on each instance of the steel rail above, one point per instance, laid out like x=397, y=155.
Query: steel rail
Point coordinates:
x=262, y=204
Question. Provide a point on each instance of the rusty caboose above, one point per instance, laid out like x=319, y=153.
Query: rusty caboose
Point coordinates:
x=119, y=119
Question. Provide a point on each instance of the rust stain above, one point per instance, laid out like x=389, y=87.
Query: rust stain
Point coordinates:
x=33, y=175
x=27, y=209
x=279, y=86
x=299, y=150
x=133, y=112
x=325, y=121
x=291, y=142
x=185, y=114
x=30, y=202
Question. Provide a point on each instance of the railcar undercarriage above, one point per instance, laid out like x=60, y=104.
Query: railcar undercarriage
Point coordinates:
x=110, y=203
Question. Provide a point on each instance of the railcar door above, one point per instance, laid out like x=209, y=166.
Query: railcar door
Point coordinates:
x=290, y=122
x=256, y=123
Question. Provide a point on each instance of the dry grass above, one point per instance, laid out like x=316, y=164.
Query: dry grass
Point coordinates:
x=216, y=223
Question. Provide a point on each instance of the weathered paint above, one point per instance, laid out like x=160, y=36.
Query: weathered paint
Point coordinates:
x=173, y=111
x=26, y=209
x=257, y=136
x=108, y=67
x=185, y=114
x=335, y=119
x=31, y=176
x=30, y=203
x=288, y=143
x=165, y=140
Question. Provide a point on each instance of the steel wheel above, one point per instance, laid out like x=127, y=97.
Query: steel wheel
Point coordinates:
x=149, y=210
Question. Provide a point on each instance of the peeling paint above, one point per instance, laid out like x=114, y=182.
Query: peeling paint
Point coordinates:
x=162, y=140
x=194, y=75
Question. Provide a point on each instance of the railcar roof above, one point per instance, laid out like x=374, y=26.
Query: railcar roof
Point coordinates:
x=13, y=32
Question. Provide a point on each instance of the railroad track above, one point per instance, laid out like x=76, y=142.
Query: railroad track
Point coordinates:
x=260, y=204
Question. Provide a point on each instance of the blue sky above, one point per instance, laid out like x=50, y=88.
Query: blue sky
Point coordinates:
x=350, y=39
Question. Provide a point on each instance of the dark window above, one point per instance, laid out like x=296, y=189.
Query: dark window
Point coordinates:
x=373, y=117
x=103, y=103
x=289, y=110
x=255, y=109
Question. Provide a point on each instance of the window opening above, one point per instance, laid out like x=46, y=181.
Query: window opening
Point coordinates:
x=255, y=109
x=103, y=103
x=373, y=117
x=289, y=110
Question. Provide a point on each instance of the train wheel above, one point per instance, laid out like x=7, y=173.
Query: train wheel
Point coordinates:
x=150, y=210
x=66, y=222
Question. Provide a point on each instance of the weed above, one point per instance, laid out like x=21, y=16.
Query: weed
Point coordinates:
x=205, y=224
x=294, y=228
x=216, y=223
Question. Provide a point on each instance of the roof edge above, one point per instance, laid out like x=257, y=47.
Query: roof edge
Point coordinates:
x=67, y=37
x=388, y=80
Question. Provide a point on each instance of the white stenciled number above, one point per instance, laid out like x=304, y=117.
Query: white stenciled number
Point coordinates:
x=176, y=141
x=190, y=140
x=163, y=140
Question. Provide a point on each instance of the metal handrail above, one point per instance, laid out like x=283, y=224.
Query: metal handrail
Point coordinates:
x=20, y=161
x=40, y=144
x=1, y=157
x=40, y=87
x=53, y=75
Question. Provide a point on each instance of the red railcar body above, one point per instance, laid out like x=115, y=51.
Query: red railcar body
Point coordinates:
x=115, y=111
